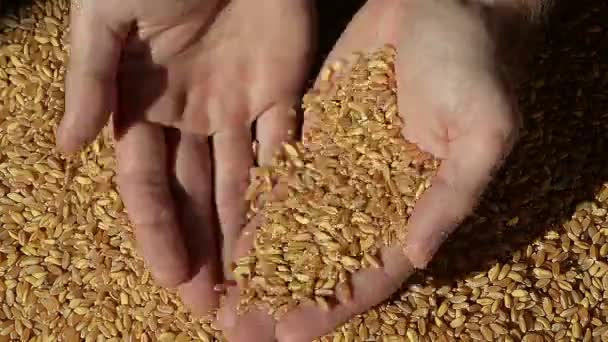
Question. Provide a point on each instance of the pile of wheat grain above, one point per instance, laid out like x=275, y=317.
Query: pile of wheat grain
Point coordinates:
x=530, y=265
x=68, y=267
x=349, y=190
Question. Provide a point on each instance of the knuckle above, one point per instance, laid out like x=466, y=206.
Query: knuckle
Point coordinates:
x=154, y=219
x=147, y=200
x=130, y=173
x=498, y=136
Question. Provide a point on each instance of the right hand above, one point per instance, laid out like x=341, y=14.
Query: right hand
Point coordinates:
x=455, y=105
x=186, y=80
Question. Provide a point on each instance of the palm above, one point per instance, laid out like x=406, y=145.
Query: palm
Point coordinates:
x=210, y=77
x=470, y=127
x=186, y=83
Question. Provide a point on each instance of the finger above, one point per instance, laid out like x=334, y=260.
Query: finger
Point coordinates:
x=273, y=128
x=361, y=34
x=453, y=194
x=228, y=314
x=151, y=93
x=143, y=182
x=90, y=94
x=243, y=245
x=233, y=157
x=365, y=294
x=255, y=325
x=194, y=194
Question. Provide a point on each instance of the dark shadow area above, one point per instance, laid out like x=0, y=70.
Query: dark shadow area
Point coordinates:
x=196, y=216
x=13, y=7
x=333, y=17
x=562, y=156
x=561, y=159
x=140, y=84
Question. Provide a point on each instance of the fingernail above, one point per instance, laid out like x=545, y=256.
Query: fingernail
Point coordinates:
x=225, y=320
x=221, y=288
x=421, y=256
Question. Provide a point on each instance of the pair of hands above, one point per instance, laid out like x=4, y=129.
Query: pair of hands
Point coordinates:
x=189, y=79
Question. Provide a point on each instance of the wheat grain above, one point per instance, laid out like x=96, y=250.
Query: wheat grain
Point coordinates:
x=68, y=268
x=69, y=271
x=351, y=185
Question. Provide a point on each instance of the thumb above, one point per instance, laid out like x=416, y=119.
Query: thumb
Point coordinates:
x=453, y=194
x=90, y=80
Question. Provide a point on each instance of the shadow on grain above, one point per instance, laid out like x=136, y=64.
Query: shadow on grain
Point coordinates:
x=560, y=160
x=12, y=7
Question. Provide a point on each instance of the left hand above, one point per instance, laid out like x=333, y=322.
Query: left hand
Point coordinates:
x=186, y=81
x=456, y=106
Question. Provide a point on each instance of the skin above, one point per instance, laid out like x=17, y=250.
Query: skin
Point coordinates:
x=188, y=81
x=451, y=83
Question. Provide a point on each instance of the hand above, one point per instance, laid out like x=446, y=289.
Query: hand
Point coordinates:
x=456, y=107
x=186, y=80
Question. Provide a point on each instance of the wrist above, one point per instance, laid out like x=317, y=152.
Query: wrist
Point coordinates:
x=279, y=4
x=516, y=26
x=534, y=12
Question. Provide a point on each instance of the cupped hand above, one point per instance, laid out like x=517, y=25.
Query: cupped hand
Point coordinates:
x=186, y=81
x=455, y=105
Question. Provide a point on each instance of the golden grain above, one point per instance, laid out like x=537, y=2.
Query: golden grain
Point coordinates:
x=355, y=154
x=67, y=265
x=69, y=271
